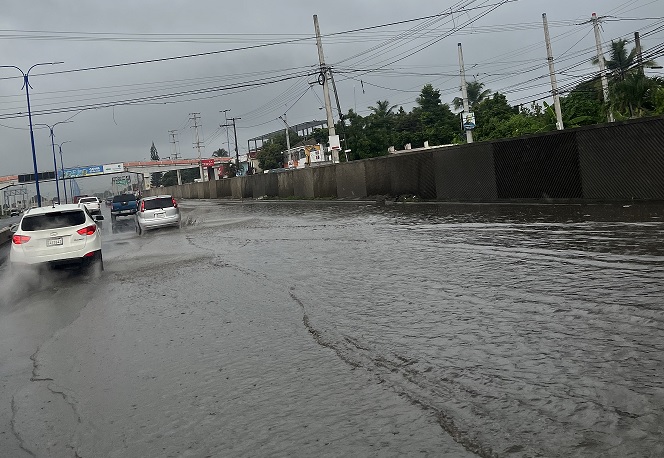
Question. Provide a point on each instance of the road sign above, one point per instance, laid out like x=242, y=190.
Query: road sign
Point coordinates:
x=468, y=120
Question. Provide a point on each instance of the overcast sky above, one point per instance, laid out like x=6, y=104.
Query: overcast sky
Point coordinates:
x=261, y=58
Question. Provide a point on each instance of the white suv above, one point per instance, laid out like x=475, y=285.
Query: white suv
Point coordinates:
x=58, y=235
x=92, y=204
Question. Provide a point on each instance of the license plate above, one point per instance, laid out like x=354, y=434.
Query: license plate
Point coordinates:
x=160, y=215
x=54, y=241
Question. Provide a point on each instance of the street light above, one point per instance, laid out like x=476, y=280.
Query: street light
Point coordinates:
x=26, y=85
x=62, y=166
x=55, y=164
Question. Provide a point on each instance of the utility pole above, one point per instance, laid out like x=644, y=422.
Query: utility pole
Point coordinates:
x=287, y=137
x=639, y=53
x=602, y=66
x=464, y=93
x=174, y=141
x=228, y=139
x=341, y=116
x=322, y=79
x=197, y=144
x=552, y=74
x=237, y=152
x=175, y=153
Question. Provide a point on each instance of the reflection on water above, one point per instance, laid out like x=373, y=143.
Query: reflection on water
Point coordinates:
x=532, y=330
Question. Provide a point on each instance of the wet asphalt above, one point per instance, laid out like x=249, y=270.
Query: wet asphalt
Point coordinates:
x=346, y=329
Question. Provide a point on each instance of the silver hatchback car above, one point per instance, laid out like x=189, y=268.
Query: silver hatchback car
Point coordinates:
x=155, y=212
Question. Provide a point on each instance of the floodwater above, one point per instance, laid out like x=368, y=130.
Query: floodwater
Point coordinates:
x=350, y=329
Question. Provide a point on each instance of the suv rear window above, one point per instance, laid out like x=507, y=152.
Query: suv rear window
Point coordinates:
x=53, y=220
x=159, y=202
x=124, y=198
x=86, y=200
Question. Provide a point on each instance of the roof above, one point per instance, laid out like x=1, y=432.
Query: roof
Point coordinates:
x=51, y=208
x=163, y=196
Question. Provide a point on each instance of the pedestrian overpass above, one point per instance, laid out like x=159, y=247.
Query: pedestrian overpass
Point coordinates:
x=209, y=167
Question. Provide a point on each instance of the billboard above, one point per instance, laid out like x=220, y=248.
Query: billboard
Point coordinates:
x=82, y=171
x=113, y=168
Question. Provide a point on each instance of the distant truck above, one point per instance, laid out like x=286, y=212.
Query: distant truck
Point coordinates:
x=123, y=205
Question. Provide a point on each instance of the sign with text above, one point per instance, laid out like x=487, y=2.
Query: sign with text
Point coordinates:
x=77, y=172
x=113, y=168
x=207, y=162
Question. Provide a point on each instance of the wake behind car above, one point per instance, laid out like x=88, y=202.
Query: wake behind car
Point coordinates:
x=157, y=211
x=92, y=204
x=61, y=235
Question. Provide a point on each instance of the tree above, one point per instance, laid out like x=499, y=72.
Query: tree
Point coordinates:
x=221, y=152
x=438, y=125
x=476, y=94
x=155, y=178
x=154, y=155
x=490, y=113
x=622, y=62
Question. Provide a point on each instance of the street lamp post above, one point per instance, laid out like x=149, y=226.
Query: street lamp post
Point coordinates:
x=26, y=85
x=62, y=167
x=55, y=164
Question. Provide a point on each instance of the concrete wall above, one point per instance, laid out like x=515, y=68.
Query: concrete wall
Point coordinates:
x=618, y=161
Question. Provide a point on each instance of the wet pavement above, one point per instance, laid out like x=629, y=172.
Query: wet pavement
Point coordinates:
x=347, y=329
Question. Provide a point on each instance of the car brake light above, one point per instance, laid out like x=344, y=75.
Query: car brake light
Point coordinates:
x=175, y=204
x=88, y=230
x=20, y=239
x=142, y=206
x=89, y=255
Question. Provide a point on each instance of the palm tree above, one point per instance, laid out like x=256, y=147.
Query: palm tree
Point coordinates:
x=382, y=114
x=476, y=94
x=621, y=62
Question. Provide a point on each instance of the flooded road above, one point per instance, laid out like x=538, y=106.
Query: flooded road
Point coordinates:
x=349, y=329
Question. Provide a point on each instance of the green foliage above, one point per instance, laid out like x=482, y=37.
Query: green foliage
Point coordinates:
x=221, y=152
x=490, y=114
x=476, y=95
x=154, y=155
x=270, y=156
x=170, y=178
x=155, y=179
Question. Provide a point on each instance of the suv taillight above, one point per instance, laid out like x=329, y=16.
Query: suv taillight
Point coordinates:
x=20, y=239
x=88, y=230
x=142, y=206
x=175, y=204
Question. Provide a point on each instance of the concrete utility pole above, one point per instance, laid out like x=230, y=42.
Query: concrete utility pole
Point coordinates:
x=322, y=79
x=341, y=116
x=228, y=138
x=174, y=141
x=237, y=152
x=639, y=53
x=175, y=153
x=602, y=66
x=552, y=74
x=464, y=93
x=197, y=144
x=287, y=135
